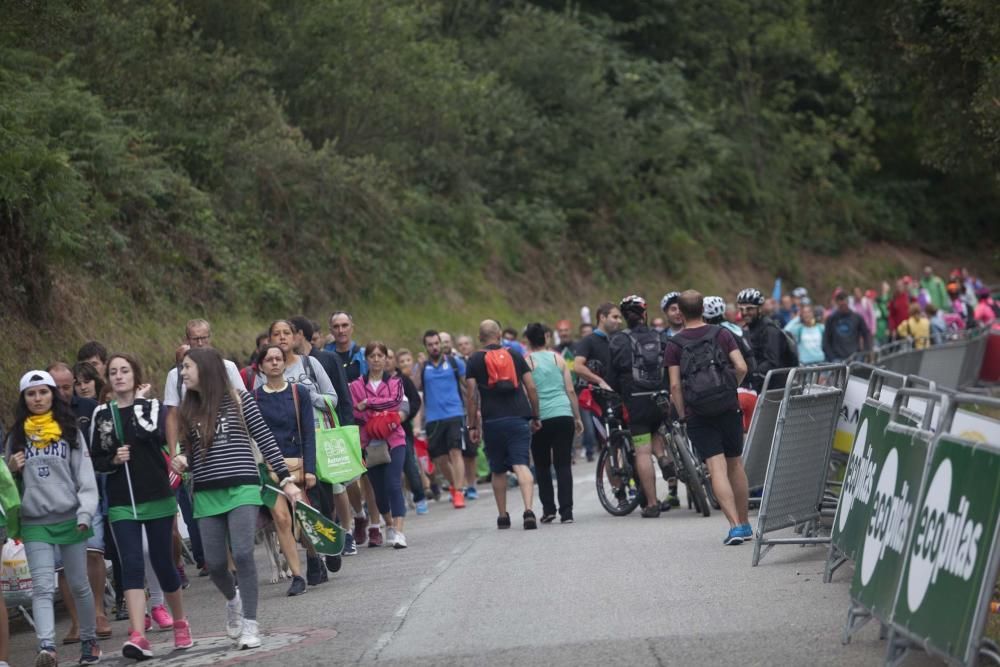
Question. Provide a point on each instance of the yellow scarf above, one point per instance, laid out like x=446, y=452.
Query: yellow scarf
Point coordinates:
x=40, y=430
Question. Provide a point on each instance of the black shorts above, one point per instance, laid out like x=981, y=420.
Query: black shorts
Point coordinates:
x=643, y=415
x=722, y=434
x=444, y=435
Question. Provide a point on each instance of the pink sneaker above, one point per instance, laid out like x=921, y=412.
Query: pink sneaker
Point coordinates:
x=374, y=536
x=162, y=617
x=182, y=635
x=137, y=647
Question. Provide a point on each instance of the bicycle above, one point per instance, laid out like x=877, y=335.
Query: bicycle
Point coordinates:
x=617, y=480
x=691, y=470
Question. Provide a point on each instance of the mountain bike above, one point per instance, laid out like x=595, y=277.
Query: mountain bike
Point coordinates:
x=618, y=486
x=691, y=470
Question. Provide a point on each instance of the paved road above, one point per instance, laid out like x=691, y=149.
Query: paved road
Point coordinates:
x=604, y=590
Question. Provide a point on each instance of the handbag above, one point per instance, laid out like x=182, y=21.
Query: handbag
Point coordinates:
x=338, y=448
x=377, y=453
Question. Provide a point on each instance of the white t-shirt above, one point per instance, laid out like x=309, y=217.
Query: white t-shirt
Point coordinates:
x=173, y=391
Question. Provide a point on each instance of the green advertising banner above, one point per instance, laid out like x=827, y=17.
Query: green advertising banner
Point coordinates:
x=902, y=457
x=866, y=459
x=949, y=550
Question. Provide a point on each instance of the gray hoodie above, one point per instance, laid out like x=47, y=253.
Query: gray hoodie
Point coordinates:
x=59, y=484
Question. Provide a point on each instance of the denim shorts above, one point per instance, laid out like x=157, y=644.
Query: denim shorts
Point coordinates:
x=507, y=442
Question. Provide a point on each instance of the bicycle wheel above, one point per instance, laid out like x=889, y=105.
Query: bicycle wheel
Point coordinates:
x=695, y=481
x=616, y=487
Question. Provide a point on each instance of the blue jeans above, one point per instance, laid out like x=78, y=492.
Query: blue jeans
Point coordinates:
x=387, y=482
x=589, y=436
x=41, y=561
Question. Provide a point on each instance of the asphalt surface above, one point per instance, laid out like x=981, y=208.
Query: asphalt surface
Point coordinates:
x=603, y=590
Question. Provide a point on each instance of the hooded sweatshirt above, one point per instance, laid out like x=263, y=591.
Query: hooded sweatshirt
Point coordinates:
x=59, y=484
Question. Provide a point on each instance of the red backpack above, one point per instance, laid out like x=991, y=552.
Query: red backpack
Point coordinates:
x=501, y=375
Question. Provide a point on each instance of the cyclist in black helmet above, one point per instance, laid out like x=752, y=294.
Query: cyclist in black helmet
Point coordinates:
x=637, y=372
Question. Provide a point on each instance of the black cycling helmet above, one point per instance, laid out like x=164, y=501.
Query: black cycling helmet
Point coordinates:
x=750, y=297
x=633, y=303
x=668, y=300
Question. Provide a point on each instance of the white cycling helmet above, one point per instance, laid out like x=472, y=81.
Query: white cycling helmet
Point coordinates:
x=750, y=297
x=669, y=299
x=713, y=307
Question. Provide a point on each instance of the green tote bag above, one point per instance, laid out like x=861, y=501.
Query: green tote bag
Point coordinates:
x=338, y=448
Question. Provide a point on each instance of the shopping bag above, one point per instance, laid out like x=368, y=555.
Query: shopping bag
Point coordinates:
x=15, y=577
x=338, y=448
x=324, y=534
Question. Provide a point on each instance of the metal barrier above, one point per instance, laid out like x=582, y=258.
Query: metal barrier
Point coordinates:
x=799, y=459
x=896, y=474
x=757, y=450
x=954, y=363
x=952, y=554
x=855, y=496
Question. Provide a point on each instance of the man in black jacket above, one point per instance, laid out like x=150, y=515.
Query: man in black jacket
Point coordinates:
x=766, y=338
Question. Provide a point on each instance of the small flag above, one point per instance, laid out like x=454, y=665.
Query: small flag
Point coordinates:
x=326, y=536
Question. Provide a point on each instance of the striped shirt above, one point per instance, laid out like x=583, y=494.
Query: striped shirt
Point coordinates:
x=230, y=461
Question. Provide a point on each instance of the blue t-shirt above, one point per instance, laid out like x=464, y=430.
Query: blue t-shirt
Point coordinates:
x=442, y=398
x=514, y=345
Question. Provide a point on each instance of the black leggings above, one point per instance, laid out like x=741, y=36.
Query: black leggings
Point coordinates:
x=553, y=445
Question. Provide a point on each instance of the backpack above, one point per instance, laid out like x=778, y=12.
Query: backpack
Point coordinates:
x=707, y=379
x=647, y=359
x=501, y=375
x=789, y=349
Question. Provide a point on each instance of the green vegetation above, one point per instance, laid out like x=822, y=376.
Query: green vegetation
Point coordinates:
x=250, y=159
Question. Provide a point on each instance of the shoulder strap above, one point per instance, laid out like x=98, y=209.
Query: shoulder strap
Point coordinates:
x=298, y=417
x=307, y=367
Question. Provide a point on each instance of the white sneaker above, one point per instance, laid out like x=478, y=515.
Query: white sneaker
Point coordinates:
x=250, y=638
x=234, y=617
x=400, y=542
x=390, y=536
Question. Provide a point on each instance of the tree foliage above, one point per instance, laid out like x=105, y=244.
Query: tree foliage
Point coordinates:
x=290, y=153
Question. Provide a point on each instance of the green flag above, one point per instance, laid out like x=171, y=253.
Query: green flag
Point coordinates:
x=326, y=536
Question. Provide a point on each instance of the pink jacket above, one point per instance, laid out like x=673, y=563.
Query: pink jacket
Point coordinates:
x=388, y=397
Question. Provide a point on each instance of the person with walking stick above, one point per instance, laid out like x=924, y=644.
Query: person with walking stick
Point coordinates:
x=127, y=443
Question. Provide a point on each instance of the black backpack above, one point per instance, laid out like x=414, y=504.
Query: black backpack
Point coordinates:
x=707, y=378
x=789, y=349
x=647, y=359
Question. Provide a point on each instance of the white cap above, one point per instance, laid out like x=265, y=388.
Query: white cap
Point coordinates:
x=36, y=379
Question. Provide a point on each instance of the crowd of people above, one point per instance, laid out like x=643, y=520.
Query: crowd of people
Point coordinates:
x=103, y=467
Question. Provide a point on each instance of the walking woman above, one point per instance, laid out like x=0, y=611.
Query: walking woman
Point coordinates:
x=217, y=425
x=128, y=444
x=57, y=508
x=560, y=415
x=380, y=406
x=288, y=413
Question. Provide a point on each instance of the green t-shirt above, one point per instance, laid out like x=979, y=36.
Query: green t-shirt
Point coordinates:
x=64, y=532
x=220, y=501
x=147, y=511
